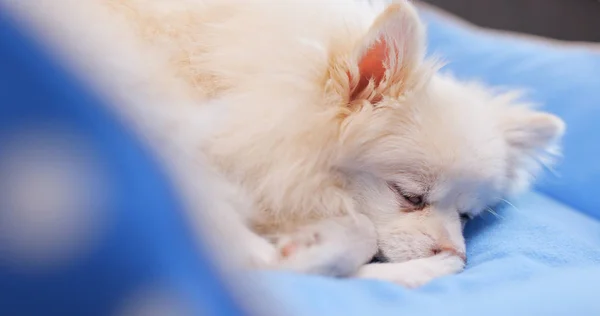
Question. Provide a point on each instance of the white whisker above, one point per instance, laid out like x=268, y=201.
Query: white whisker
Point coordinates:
x=491, y=211
x=550, y=168
x=512, y=205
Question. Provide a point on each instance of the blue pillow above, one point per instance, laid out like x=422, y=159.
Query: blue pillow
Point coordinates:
x=564, y=79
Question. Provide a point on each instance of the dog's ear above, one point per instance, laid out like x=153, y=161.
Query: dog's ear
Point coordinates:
x=389, y=52
x=530, y=131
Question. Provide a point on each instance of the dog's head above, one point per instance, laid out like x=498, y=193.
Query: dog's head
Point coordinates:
x=425, y=151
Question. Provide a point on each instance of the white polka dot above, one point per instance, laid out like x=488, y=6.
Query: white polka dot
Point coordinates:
x=53, y=196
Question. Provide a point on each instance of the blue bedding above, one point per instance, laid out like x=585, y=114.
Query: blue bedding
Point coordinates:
x=540, y=255
x=537, y=258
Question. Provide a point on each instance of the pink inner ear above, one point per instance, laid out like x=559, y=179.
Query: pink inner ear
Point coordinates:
x=371, y=66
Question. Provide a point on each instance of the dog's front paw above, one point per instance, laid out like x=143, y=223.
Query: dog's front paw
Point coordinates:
x=290, y=245
x=333, y=247
x=306, y=251
x=414, y=273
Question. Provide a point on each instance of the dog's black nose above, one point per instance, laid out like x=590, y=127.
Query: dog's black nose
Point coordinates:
x=379, y=257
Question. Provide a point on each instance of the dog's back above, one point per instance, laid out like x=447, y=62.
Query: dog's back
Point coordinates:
x=270, y=64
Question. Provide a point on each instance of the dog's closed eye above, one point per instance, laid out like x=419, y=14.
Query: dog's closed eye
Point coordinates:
x=415, y=200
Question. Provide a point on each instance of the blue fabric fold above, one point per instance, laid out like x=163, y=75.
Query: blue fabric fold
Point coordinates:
x=536, y=257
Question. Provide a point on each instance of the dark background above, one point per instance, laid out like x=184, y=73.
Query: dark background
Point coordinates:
x=573, y=20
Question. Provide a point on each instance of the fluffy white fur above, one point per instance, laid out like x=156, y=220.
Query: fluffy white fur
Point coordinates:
x=322, y=122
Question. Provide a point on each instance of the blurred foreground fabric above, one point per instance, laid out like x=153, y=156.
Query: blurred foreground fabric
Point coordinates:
x=89, y=225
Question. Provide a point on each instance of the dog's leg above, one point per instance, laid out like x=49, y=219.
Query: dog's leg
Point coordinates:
x=413, y=273
x=233, y=241
x=335, y=246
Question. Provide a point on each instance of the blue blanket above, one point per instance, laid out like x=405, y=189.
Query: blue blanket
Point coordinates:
x=537, y=257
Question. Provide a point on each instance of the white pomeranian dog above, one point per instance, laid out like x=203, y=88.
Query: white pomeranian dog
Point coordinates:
x=329, y=135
